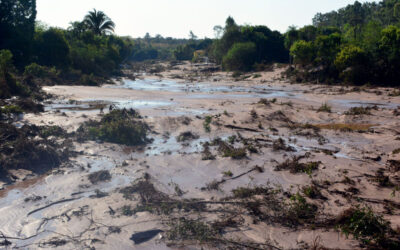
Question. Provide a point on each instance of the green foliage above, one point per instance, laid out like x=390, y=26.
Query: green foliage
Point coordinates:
x=37, y=70
x=51, y=48
x=11, y=109
x=234, y=51
x=185, y=229
x=17, y=22
x=325, y=108
x=206, y=124
x=300, y=209
x=352, y=62
x=357, y=44
x=118, y=126
x=9, y=86
x=240, y=57
x=5, y=62
x=363, y=224
x=303, y=52
x=359, y=111
x=98, y=22
x=184, y=52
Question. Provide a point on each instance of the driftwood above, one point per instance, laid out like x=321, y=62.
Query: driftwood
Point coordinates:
x=52, y=204
x=241, y=128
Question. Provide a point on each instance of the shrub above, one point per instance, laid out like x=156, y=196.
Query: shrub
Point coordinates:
x=241, y=56
x=206, y=124
x=352, y=62
x=359, y=111
x=363, y=224
x=88, y=80
x=119, y=126
x=303, y=52
x=37, y=70
x=325, y=108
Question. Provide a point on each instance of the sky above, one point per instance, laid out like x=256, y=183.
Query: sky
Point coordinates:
x=176, y=18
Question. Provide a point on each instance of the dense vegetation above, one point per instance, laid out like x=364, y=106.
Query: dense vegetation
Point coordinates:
x=86, y=49
x=357, y=44
x=242, y=47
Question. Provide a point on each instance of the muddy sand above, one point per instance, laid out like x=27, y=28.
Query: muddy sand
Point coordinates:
x=65, y=210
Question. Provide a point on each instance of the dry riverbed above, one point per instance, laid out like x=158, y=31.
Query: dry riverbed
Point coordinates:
x=246, y=162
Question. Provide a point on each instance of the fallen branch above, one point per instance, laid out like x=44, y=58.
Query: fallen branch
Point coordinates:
x=241, y=128
x=52, y=204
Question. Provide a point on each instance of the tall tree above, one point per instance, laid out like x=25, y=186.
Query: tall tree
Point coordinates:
x=17, y=25
x=99, y=22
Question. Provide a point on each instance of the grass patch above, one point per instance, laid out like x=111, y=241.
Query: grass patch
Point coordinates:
x=325, y=108
x=359, y=111
x=396, y=151
x=206, y=124
x=350, y=127
x=186, y=229
x=228, y=173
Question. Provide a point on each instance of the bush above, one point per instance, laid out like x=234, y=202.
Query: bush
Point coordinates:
x=37, y=70
x=52, y=48
x=363, y=224
x=241, y=56
x=303, y=52
x=119, y=126
x=352, y=63
x=88, y=80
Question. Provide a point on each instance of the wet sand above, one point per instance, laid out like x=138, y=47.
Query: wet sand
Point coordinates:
x=171, y=106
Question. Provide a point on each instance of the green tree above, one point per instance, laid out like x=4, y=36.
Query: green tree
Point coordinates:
x=99, y=22
x=17, y=24
x=303, y=52
x=327, y=47
x=52, y=48
x=5, y=62
x=241, y=56
x=352, y=62
x=389, y=54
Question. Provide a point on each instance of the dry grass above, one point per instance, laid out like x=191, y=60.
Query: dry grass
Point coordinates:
x=345, y=126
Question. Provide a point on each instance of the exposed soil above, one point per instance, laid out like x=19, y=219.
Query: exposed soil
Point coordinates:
x=230, y=163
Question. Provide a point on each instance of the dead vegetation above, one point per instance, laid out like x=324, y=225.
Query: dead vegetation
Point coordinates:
x=345, y=127
x=295, y=166
x=99, y=176
x=186, y=136
x=31, y=147
x=360, y=110
x=120, y=126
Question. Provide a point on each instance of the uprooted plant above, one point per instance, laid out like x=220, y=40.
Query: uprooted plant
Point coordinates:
x=35, y=148
x=120, y=126
x=295, y=166
x=368, y=227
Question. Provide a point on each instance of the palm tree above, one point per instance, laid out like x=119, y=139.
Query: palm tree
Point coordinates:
x=99, y=23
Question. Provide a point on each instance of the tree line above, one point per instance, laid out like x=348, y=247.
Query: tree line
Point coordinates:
x=358, y=44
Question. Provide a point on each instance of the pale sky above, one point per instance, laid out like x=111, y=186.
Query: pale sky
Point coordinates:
x=176, y=18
